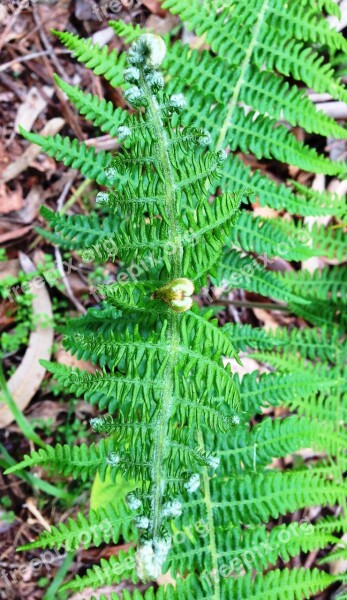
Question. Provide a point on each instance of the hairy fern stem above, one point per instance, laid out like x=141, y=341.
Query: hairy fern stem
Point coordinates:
x=158, y=483
x=162, y=435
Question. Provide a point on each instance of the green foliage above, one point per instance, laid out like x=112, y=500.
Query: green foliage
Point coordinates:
x=100, y=526
x=73, y=154
x=102, y=113
x=108, y=573
x=79, y=461
x=206, y=81
x=178, y=422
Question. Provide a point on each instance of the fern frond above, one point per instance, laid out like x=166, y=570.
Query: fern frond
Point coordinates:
x=160, y=361
x=139, y=297
x=305, y=24
x=74, y=154
x=237, y=271
x=127, y=31
x=109, y=572
x=79, y=461
x=279, y=197
x=102, y=62
x=115, y=349
x=261, y=135
x=325, y=284
x=263, y=91
x=225, y=36
x=275, y=585
x=201, y=245
x=82, y=232
x=338, y=554
x=253, y=450
x=248, y=549
x=108, y=391
x=249, y=500
x=334, y=203
x=275, y=388
x=103, y=525
x=330, y=6
x=313, y=344
x=102, y=113
x=258, y=134
x=295, y=242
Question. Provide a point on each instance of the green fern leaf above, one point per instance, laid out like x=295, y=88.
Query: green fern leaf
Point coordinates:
x=73, y=154
x=109, y=572
x=102, y=113
x=100, y=526
x=102, y=62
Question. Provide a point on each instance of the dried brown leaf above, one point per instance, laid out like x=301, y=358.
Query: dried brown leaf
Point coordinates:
x=14, y=169
x=27, y=379
x=10, y=200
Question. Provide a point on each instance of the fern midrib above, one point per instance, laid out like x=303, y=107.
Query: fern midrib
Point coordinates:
x=159, y=476
x=237, y=89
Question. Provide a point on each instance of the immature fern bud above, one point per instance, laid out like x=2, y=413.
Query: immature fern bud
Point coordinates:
x=123, y=132
x=177, y=101
x=205, y=138
x=155, y=80
x=177, y=294
x=213, y=462
x=142, y=522
x=133, y=501
x=149, y=50
x=102, y=198
x=113, y=459
x=150, y=557
x=193, y=483
x=132, y=74
x=135, y=96
x=103, y=424
x=172, y=509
